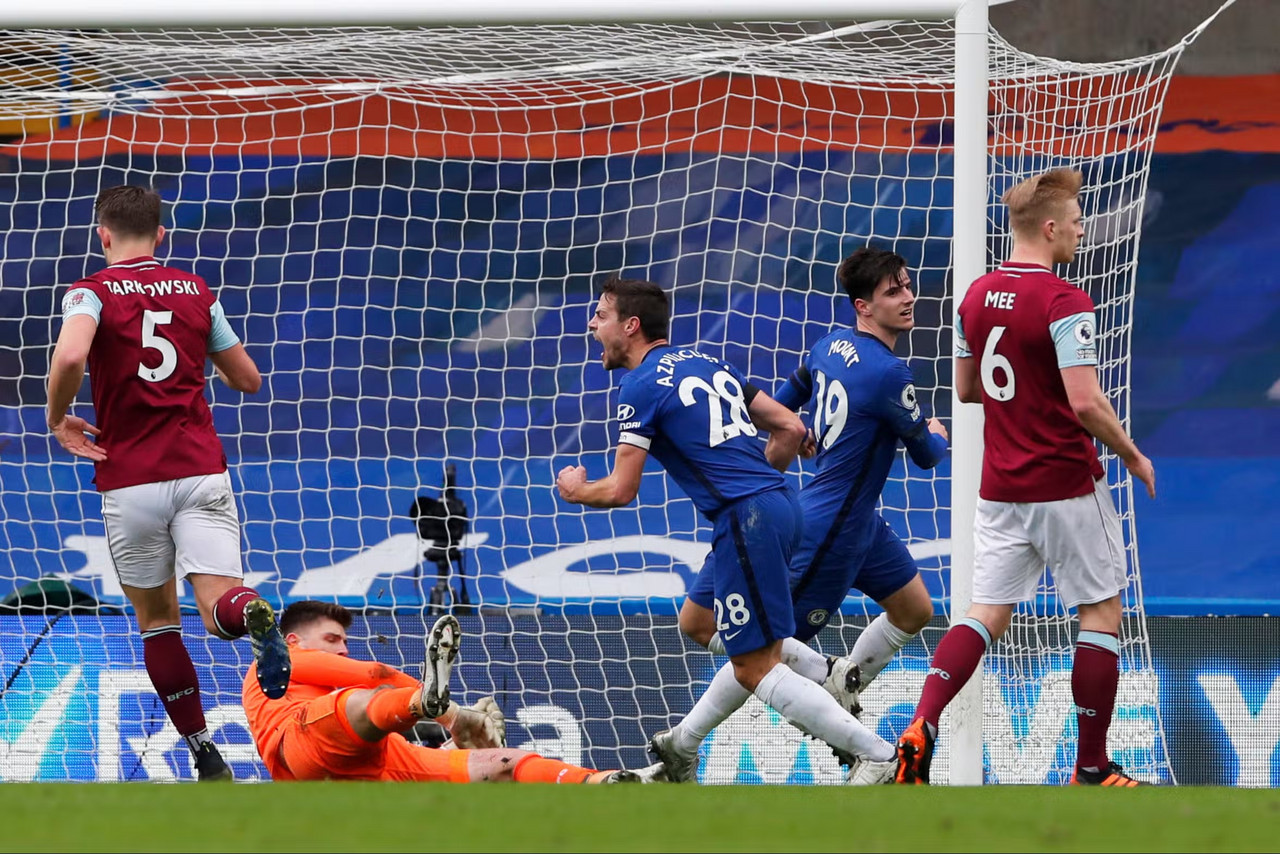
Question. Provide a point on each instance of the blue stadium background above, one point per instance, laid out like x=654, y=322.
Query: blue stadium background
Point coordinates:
x=1205, y=358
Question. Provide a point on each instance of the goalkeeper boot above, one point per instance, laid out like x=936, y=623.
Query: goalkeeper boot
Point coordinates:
x=619, y=776
x=655, y=773
x=867, y=772
x=679, y=767
x=269, y=649
x=1112, y=775
x=210, y=766
x=442, y=649
x=915, y=752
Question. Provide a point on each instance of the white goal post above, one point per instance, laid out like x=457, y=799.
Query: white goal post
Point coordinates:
x=930, y=113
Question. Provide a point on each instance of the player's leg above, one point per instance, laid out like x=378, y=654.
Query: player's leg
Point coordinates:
x=888, y=575
x=1083, y=544
x=753, y=600
x=405, y=762
x=677, y=748
x=374, y=714
x=355, y=734
x=137, y=525
x=206, y=536
x=1007, y=566
x=822, y=570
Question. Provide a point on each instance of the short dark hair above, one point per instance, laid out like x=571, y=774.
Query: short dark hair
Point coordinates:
x=862, y=272
x=644, y=300
x=308, y=611
x=129, y=210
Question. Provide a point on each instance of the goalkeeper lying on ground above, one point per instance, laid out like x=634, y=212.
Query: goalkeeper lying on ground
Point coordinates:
x=343, y=719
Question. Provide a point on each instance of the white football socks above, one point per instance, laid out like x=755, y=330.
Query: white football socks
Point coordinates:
x=805, y=660
x=723, y=697
x=877, y=643
x=810, y=708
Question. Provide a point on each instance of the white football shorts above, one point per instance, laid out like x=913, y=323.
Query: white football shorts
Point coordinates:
x=1078, y=539
x=155, y=530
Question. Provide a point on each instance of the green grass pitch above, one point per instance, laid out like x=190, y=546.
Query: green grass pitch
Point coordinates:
x=315, y=817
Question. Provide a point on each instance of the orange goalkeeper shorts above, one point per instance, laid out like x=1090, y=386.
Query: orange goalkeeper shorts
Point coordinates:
x=320, y=744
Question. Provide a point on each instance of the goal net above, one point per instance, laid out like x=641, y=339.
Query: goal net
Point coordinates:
x=405, y=226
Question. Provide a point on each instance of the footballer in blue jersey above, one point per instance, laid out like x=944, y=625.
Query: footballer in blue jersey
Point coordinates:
x=700, y=418
x=864, y=403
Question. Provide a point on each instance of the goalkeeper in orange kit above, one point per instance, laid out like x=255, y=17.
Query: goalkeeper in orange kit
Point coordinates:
x=343, y=719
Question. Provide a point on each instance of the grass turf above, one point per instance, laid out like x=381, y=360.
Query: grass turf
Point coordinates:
x=346, y=816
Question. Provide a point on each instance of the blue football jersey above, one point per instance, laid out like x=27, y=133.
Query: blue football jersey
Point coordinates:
x=863, y=402
x=689, y=410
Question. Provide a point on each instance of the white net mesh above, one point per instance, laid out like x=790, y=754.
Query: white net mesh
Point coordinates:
x=405, y=227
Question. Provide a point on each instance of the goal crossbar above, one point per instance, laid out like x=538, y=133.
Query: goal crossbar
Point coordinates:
x=280, y=13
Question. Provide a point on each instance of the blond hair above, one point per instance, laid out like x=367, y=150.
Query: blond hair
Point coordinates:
x=1041, y=197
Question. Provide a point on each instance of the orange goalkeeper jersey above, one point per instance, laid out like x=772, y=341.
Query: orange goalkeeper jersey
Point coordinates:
x=315, y=673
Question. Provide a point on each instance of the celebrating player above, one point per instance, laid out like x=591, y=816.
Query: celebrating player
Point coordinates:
x=700, y=418
x=342, y=719
x=864, y=401
x=1026, y=351
x=145, y=330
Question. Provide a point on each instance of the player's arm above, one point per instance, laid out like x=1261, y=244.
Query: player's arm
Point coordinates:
x=924, y=438
x=620, y=487
x=325, y=669
x=965, y=369
x=968, y=389
x=66, y=373
x=786, y=431
x=1075, y=342
x=1091, y=406
x=796, y=391
x=233, y=363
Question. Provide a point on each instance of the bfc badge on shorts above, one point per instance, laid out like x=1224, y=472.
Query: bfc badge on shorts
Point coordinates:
x=818, y=617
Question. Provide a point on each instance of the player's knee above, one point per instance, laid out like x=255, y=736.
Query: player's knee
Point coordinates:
x=753, y=666
x=911, y=615
x=698, y=624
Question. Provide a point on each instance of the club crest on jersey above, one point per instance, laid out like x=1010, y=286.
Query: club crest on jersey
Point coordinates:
x=908, y=400
x=625, y=411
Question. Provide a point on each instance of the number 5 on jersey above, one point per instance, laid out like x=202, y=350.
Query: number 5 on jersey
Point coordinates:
x=152, y=340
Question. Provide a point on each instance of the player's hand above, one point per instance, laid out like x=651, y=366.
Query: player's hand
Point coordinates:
x=935, y=426
x=1141, y=468
x=480, y=726
x=70, y=433
x=809, y=446
x=570, y=480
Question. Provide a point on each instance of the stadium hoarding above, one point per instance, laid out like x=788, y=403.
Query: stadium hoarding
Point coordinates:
x=591, y=689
